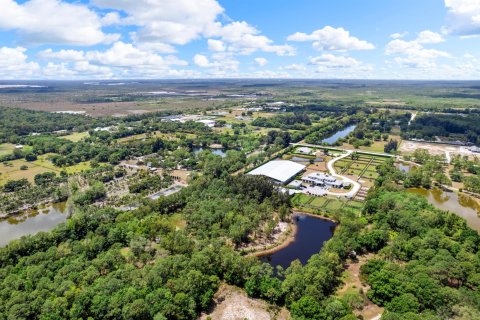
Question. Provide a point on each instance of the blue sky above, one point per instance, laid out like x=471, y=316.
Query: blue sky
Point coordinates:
x=121, y=39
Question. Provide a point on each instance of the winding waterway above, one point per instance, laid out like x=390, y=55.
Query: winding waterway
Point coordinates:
x=460, y=204
x=311, y=234
x=32, y=222
x=339, y=134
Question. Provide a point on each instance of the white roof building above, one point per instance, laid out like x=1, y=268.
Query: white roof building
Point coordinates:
x=208, y=123
x=279, y=170
x=305, y=150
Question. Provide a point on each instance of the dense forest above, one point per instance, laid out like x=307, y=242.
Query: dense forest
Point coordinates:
x=455, y=127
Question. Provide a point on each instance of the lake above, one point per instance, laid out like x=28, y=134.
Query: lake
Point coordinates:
x=311, y=234
x=32, y=222
x=460, y=204
x=339, y=134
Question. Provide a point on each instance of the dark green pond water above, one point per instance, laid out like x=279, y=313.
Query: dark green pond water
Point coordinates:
x=460, y=204
x=311, y=235
x=32, y=222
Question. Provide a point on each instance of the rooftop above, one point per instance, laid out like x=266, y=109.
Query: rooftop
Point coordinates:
x=279, y=170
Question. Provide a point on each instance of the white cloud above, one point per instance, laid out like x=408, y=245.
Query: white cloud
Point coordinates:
x=53, y=21
x=413, y=54
x=333, y=61
x=216, y=45
x=261, y=61
x=294, y=67
x=58, y=71
x=201, y=61
x=65, y=55
x=398, y=35
x=127, y=55
x=121, y=60
x=244, y=39
x=168, y=21
x=14, y=64
x=332, y=39
x=429, y=37
x=111, y=18
x=463, y=17
x=220, y=64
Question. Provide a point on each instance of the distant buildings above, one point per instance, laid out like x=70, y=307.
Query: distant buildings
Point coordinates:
x=208, y=123
x=319, y=179
x=304, y=150
x=280, y=171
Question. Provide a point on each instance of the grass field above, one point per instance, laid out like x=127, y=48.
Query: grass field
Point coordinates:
x=6, y=149
x=324, y=204
x=11, y=170
x=77, y=136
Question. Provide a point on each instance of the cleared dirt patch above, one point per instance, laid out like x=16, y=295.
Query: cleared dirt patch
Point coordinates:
x=353, y=283
x=232, y=303
x=434, y=148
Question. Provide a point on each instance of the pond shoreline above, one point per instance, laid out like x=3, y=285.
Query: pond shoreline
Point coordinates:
x=289, y=236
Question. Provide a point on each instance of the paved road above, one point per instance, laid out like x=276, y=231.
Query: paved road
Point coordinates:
x=355, y=185
x=342, y=149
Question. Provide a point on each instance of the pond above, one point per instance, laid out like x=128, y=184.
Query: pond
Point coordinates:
x=219, y=152
x=32, y=222
x=460, y=204
x=339, y=134
x=311, y=234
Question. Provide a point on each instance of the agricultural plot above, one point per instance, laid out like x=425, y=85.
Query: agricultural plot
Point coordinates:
x=324, y=204
x=364, y=167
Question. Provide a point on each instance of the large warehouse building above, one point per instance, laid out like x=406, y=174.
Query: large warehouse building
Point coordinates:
x=281, y=171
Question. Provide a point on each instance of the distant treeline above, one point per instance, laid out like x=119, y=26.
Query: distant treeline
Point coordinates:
x=428, y=126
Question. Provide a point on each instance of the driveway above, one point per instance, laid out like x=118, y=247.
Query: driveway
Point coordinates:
x=355, y=185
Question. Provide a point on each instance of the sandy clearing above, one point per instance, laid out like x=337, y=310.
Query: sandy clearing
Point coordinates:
x=232, y=303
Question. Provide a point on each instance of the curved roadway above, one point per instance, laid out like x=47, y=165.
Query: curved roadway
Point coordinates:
x=355, y=185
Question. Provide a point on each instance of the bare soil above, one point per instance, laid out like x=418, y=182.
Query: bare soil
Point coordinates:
x=232, y=303
x=353, y=282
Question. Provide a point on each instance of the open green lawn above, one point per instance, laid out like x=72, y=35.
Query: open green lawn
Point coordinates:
x=6, y=149
x=76, y=136
x=334, y=204
x=319, y=202
x=78, y=167
x=11, y=170
x=370, y=175
x=301, y=199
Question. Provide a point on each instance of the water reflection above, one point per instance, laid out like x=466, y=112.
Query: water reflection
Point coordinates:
x=31, y=222
x=339, y=134
x=311, y=234
x=461, y=204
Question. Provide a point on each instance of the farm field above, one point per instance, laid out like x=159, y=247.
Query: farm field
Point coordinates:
x=324, y=204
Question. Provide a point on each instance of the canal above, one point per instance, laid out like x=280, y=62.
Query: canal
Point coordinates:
x=311, y=234
x=339, y=134
x=32, y=222
x=462, y=205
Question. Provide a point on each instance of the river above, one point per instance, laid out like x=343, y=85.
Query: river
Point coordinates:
x=339, y=134
x=32, y=222
x=311, y=234
x=460, y=204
